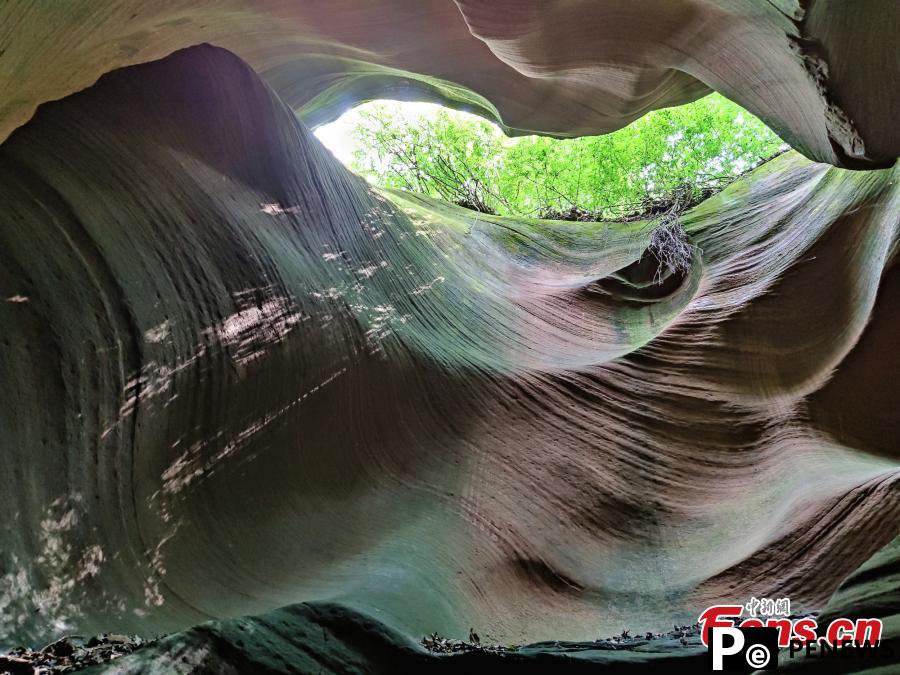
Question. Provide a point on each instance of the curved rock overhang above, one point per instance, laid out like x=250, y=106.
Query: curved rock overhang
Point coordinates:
x=821, y=73
x=237, y=377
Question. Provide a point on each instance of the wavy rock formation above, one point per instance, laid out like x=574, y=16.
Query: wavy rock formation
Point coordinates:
x=314, y=637
x=821, y=73
x=236, y=377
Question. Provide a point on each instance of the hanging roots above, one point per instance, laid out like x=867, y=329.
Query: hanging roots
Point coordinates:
x=669, y=245
x=668, y=241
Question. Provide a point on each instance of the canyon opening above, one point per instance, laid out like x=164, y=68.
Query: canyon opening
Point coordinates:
x=401, y=337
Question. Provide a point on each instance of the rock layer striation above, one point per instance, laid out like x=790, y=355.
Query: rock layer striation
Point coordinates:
x=237, y=377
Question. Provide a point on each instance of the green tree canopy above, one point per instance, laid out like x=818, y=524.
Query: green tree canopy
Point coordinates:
x=469, y=161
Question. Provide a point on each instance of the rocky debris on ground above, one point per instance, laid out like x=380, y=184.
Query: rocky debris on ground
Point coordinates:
x=687, y=635
x=70, y=653
x=441, y=645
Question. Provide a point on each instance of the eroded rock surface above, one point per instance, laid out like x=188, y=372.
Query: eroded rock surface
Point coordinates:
x=822, y=73
x=236, y=378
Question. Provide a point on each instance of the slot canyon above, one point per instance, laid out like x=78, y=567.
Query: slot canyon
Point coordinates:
x=295, y=422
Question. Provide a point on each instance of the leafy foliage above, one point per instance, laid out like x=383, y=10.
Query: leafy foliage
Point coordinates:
x=466, y=160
